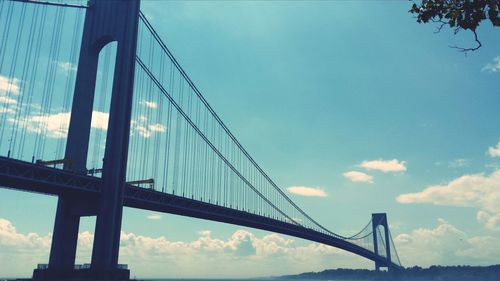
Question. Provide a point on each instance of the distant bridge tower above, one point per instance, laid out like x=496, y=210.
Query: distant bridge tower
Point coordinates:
x=380, y=219
x=105, y=22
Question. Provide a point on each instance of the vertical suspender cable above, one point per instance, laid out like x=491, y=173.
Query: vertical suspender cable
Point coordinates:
x=11, y=78
x=70, y=72
x=33, y=78
x=25, y=71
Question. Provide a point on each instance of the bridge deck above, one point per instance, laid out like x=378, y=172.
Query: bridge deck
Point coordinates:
x=30, y=177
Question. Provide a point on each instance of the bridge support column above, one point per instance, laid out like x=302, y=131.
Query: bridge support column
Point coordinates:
x=105, y=21
x=124, y=14
x=380, y=219
x=65, y=237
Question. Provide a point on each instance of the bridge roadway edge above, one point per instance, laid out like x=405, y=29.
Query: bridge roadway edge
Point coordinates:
x=51, y=181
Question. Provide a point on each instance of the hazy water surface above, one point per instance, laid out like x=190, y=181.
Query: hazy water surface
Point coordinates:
x=252, y=279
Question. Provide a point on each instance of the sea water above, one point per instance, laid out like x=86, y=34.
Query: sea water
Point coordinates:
x=249, y=279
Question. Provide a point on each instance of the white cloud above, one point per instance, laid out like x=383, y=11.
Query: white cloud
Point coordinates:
x=493, y=66
x=491, y=220
x=474, y=190
x=150, y=104
x=51, y=124
x=145, y=130
x=10, y=237
x=494, y=151
x=478, y=190
x=456, y=163
x=7, y=110
x=356, y=176
x=247, y=254
x=307, y=191
x=5, y=99
x=204, y=232
x=99, y=120
x=157, y=128
x=30, y=248
x=445, y=245
x=56, y=125
x=66, y=66
x=385, y=166
x=154, y=217
x=9, y=85
x=145, y=133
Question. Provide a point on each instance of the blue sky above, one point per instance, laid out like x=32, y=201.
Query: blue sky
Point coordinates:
x=353, y=98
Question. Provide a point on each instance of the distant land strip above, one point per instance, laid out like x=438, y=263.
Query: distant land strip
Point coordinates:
x=433, y=273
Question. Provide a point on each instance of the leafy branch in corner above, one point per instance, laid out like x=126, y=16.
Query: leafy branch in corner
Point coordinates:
x=459, y=15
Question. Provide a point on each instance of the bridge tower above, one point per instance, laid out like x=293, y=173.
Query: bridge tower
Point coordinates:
x=380, y=219
x=106, y=21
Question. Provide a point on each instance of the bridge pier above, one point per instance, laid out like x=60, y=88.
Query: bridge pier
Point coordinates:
x=105, y=21
x=380, y=219
x=65, y=236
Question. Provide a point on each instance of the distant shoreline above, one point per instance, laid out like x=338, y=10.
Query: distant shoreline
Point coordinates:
x=433, y=273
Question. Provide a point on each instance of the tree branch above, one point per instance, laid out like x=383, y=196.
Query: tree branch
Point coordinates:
x=442, y=24
x=465, y=50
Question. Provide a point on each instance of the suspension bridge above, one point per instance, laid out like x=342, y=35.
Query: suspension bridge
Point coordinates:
x=96, y=110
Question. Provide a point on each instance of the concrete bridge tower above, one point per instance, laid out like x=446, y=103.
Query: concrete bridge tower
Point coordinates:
x=106, y=21
x=380, y=219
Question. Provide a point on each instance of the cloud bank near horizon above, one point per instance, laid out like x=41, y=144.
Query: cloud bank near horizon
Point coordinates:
x=248, y=254
x=478, y=191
